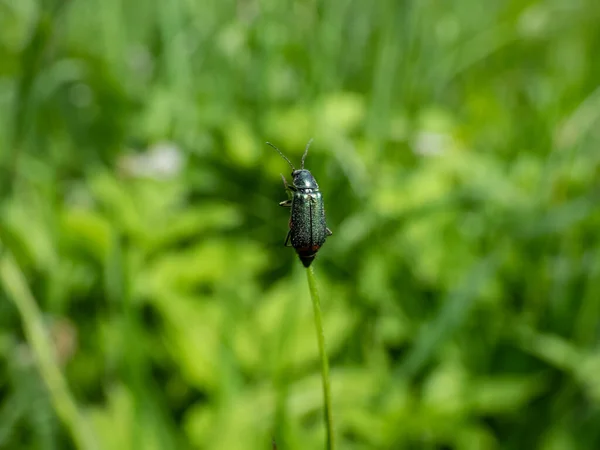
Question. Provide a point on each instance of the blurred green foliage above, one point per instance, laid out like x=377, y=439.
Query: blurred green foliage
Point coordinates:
x=456, y=144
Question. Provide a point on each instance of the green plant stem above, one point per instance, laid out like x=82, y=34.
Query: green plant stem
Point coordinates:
x=16, y=288
x=328, y=416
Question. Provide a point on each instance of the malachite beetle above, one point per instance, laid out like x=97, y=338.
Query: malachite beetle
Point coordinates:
x=308, y=229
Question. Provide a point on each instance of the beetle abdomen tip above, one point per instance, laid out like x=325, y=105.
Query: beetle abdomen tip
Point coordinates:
x=307, y=260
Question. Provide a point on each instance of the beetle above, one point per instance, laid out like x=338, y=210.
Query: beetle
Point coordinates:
x=308, y=229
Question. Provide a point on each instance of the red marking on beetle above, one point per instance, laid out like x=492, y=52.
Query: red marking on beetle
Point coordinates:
x=308, y=250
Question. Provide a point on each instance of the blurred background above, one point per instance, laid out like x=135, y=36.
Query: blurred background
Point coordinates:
x=457, y=148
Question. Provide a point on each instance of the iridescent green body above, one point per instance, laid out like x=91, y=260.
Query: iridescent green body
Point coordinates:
x=308, y=229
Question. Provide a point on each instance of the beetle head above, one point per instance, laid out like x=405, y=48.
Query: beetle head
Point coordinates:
x=303, y=179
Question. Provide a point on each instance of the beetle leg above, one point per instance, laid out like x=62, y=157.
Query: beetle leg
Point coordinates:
x=328, y=232
x=287, y=239
x=286, y=203
x=288, y=187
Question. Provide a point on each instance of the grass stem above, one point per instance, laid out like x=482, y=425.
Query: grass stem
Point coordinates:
x=328, y=416
x=16, y=288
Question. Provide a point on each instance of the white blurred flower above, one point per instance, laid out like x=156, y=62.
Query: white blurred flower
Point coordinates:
x=161, y=161
x=428, y=143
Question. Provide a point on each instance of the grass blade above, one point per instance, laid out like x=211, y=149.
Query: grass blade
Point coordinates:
x=328, y=416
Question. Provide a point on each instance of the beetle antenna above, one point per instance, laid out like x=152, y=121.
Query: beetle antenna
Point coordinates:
x=305, y=152
x=282, y=155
